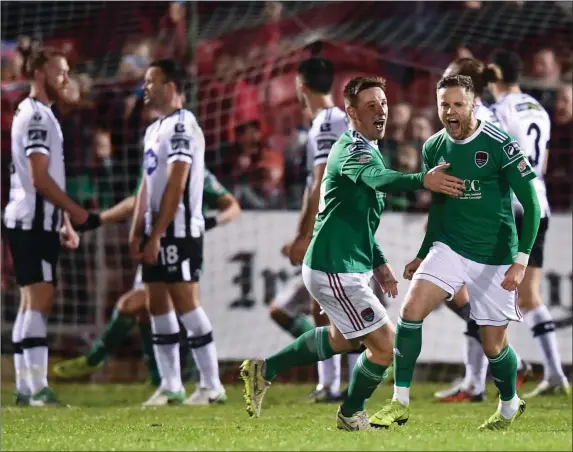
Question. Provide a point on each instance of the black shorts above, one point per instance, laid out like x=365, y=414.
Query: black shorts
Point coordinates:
x=536, y=256
x=180, y=259
x=35, y=255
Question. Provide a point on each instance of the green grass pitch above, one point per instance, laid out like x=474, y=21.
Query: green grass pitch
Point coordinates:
x=109, y=417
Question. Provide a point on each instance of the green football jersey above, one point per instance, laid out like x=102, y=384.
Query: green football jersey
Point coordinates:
x=351, y=202
x=212, y=190
x=479, y=225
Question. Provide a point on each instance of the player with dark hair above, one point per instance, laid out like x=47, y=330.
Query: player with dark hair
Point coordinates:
x=166, y=236
x=38, y=212
x=131, y=308
x=471, y=241
x=343, y=256
x=313, y=86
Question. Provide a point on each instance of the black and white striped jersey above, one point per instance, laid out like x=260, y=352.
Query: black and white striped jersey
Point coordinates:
x=325, y=130
x=175, y=138
x=34, y=129
x=525, y=119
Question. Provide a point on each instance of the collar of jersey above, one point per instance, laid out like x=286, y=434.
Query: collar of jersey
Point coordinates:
x=471, y=137
x=373, y=144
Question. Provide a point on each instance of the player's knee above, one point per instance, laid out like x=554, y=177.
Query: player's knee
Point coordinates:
x=132, y=303
x=422, y=298
x=278, y=315
x=380, y=345
x=41, y=297
x=494, y=339
x=339, y=343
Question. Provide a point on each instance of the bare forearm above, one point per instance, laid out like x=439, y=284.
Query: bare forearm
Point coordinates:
x=229, y=209
x=140, y=206
x=48, y=188
x=309, y=211
x=120, y=212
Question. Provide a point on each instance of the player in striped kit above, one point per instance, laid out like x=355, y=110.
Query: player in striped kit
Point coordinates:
x=130, y=308
x=523, y=117
x=35, y=218
x=166, y=236
x=313, y=85
x=472, y=386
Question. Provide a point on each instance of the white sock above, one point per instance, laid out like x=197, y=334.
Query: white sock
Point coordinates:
x=200, y=336
x=402, y=395
x=508, y=409
x=541, y=323
x=352, y=358
x=20, y=369
x=329, y=374
x=478, y=364
x=35, y=350
x=467, y=382
x=165, y=329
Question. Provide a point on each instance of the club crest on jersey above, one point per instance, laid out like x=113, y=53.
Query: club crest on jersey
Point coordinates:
x=365, y=159
x=367, y=314
x=150, y=161
x=481, y=158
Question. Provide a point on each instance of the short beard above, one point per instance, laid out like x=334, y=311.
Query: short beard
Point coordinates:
x=51, y=93
x=466, y=128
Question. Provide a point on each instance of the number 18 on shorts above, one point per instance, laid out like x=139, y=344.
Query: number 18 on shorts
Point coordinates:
x=179, y=260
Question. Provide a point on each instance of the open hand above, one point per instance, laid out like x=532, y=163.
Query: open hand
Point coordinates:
x=385, y=276
x=437, y=181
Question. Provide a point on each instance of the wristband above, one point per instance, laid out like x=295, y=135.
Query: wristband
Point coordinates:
x=93, y=222
x=210, y=223
x=521, y=259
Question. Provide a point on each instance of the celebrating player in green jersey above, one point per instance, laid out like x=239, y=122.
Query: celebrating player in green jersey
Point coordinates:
x=131, y=306
x=470, y=240
x=343, y=256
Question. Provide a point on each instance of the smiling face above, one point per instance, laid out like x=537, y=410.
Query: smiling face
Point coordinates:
x=370, y=113
x=455, y=108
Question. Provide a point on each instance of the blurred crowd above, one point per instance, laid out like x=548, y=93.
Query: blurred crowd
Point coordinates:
x=241, y=74
x=242, y=88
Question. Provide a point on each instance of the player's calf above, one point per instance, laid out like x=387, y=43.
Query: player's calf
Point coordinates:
x=542, y=325
x=165, y=329
x=185, y=296
x=34, y=334
x=370, y=369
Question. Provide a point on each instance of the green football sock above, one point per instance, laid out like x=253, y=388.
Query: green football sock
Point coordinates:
x=311, y=347
x=145, y=335
x=114, y=334
x=407, y=347
x=504, y=372
x=366, y=377
x=300, y=325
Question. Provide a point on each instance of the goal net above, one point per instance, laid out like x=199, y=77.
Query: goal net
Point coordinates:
x=241, y=59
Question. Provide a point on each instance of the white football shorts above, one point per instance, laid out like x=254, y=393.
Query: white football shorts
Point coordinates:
x=348, y=300
x=490, y=303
